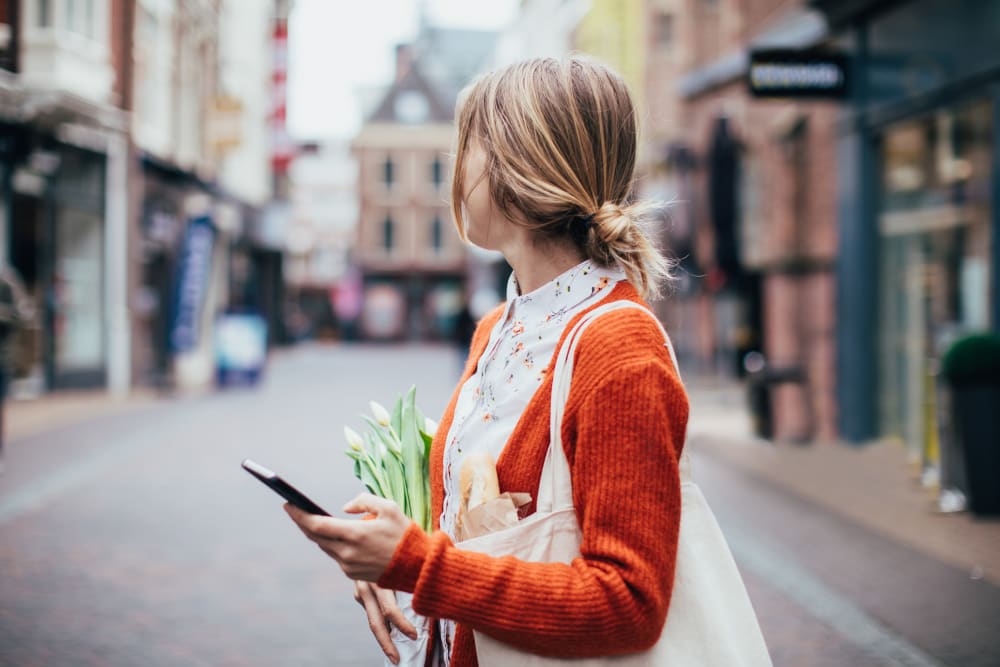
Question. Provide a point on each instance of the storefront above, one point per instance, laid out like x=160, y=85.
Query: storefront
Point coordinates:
x=918, y=205
x=58, y=241
x=934, y=223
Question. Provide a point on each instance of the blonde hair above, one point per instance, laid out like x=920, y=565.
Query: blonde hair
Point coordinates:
x=560, y=141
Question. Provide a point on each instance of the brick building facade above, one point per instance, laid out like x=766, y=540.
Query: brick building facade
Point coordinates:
x=414, y=269
x=761, y=189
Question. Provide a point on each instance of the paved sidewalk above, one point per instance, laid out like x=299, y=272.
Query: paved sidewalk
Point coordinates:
x=29, y=417
x=872, y=485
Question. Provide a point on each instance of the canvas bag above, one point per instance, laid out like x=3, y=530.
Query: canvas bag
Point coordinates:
x=710, y=622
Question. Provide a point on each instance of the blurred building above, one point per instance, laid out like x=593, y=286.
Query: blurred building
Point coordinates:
x=264, y=252
x=175, y=79
x=614, y=31
x=918, y=172
x=758, y=225
x=63, y=204
x=134, y=160
x=321, y=290
x=665, y=158
x=541, y=29
x=202, y=97
x=413, y=266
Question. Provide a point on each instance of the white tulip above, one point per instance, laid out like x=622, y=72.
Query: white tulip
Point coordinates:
x=381, y=414
x=353, y=439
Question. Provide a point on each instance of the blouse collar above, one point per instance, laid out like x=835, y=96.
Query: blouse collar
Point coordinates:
x=562, y=293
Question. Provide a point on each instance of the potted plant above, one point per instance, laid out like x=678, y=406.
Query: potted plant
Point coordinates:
x=971, y=367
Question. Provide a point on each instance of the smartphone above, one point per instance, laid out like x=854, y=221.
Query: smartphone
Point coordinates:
x=283, y=488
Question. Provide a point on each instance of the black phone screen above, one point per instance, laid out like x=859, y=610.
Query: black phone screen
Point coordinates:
x=283, y=488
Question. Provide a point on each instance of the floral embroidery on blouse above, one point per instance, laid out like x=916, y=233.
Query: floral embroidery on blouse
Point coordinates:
x=495, y=395
x=491, y=401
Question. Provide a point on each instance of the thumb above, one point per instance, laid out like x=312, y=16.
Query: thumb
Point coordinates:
x=367, y=503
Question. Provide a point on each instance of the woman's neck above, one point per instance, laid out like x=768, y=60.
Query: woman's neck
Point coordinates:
x=536, y=260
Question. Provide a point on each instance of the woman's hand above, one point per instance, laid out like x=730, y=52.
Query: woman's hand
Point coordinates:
x=382, y=610
x=363, y=549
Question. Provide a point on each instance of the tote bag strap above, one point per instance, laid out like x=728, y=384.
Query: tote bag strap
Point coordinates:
x=555, y=490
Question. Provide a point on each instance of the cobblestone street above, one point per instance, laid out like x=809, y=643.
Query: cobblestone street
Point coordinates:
x=134, y=538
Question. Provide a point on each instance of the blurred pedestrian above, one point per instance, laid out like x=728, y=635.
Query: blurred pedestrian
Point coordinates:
x=544, y=173
x=16, y=314
x=465, y=327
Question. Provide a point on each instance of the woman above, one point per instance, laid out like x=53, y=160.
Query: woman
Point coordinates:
x=544, y=174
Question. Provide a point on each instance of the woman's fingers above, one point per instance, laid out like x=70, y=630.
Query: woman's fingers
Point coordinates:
x=367, y=503
x=364, y=549
x=392, y=612
x=376, y=620
x=318, y=527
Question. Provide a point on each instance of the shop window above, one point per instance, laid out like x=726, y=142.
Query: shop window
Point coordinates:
x=664, y=30
x=44, y=18
x=78, y=16
x=935, y=227
x=388, y=234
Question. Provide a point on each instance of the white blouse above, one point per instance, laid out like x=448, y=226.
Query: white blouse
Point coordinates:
x=509, y=372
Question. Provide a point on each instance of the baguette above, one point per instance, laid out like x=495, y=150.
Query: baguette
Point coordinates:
x=477, y=480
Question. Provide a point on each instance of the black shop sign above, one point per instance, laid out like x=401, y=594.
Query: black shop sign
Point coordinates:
x=789, y=73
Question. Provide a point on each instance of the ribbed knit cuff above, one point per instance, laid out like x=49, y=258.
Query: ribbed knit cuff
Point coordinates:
x=404, y=568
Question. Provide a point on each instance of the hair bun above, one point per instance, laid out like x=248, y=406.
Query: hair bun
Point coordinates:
x=612, y=222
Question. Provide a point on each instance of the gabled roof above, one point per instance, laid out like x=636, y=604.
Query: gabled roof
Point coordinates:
x=444, y=60
x=439, y=111
x=452, y=57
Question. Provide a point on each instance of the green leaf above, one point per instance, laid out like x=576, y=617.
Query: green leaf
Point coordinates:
x=390, y=468
x=413, y=459
x=376, y=464
x=427, y=444
x=396, y=421
x=370, y=480
x=387, y=438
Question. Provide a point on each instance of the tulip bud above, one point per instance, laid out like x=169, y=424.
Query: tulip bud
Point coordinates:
x=430, y=426
x=353, y=439
x=381, y=414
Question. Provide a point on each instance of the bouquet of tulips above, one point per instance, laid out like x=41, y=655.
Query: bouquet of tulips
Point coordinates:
x=391, y=459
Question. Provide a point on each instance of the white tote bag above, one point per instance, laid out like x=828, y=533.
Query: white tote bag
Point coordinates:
x=710, y=623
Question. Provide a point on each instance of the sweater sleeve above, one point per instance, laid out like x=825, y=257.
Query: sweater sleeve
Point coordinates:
x=611, y=600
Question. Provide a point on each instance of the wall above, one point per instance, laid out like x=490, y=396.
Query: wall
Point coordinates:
x=787, y=227
x=245, y=77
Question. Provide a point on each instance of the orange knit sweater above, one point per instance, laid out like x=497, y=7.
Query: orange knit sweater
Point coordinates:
x=623, y=430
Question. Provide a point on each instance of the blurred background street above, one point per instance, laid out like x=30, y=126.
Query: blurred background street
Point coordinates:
x=225, y=227
x=135, y=538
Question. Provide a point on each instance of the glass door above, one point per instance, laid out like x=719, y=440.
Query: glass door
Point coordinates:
x=77, y=288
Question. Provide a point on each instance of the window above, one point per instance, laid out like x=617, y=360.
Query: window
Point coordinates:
x=663, y=30
x=388, y=231
x=44, y=13
x=388, y=172
x=437, y=235
x=437, y=172
x=79, y=16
